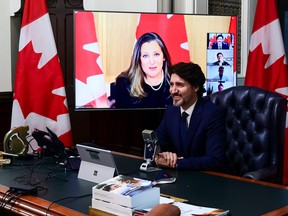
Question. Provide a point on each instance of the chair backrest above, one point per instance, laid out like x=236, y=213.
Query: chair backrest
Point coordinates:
x=255, y=122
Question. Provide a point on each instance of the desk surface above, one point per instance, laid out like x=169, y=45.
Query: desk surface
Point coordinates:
x=240, y=197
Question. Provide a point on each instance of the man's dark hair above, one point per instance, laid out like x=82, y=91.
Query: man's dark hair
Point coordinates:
x=219, y=53
x=220, y=35
x=190, y=72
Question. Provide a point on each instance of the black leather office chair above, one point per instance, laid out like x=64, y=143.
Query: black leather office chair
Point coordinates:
x=255, y=122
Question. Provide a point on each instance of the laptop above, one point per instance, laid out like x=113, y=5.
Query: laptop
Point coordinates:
x=97, y=165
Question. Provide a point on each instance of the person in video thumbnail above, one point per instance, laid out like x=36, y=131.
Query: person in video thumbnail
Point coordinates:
x=201, y=143
x=221, y=76
x=220, y=60
x=220, y=43
x=145, y=84
x=220, y=87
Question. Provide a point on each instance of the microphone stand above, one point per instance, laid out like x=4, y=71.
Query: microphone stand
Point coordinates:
x=149, y=154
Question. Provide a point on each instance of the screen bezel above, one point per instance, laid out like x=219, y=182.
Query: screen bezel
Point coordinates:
x=202, y=61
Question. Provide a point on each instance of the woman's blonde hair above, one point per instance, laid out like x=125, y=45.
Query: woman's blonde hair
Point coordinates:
x=135, y=73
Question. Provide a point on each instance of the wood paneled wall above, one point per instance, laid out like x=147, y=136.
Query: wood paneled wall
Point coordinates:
x=5, y=114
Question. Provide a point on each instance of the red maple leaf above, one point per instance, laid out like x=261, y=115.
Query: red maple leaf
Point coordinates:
x=228, y=39
x=163, y=25
x=270, y=78
x=85, y=34
x=34, y=86
x=212, y=40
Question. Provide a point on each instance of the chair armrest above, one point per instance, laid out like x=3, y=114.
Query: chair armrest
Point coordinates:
x=263, y=173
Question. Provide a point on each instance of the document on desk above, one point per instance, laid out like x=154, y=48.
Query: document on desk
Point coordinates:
x=194, y=210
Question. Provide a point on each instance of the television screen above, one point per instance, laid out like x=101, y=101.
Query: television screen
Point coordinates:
x=121, y=58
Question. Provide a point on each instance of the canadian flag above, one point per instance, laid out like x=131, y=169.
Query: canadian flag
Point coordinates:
x=267, y=66
x=90, y=83
x=233, y=30
x=171, y=29
x=39, y=94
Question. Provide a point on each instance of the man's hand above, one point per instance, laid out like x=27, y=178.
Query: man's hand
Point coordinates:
x=166, y=159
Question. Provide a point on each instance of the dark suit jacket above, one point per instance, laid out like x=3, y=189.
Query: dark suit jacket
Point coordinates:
x=224, y=63
x=120, y=92
x=224, y=45
x=206, y=149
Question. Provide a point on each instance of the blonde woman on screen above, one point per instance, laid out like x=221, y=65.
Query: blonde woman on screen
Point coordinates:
x=145, y=84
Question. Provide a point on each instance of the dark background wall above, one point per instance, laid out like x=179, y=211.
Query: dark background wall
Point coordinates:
x=283, y=15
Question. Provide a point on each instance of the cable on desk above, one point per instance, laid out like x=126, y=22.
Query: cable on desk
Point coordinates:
x=15, y=199
x=61, y=174
x=3, y=200
x=12, y=195
x=65, y=198
x=8, y=197
x=31, y=173
x=28, y=177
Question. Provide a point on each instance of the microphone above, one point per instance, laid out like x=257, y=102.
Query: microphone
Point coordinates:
x=150, y=149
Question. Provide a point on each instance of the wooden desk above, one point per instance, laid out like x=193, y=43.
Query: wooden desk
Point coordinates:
x=243, y=197
x=31, y=205
x=60, y=185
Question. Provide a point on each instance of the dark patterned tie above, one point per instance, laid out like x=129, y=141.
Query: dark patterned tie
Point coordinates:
x=183, y=128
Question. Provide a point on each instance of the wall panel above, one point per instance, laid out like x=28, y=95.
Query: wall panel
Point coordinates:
x=5, y=114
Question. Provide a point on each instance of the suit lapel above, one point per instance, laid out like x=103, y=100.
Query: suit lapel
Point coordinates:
x=194, y=124
x=182, y=149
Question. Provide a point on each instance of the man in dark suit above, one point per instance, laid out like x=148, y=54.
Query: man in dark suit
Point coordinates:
x=220, y=60
x=204, y=147
x=220, y=44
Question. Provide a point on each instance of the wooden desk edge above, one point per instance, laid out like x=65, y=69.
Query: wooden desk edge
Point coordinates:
x=277, y=212
x=219, y=174
x=248, y=180
x=128, y=155
x=30, y=205
x=35, y=205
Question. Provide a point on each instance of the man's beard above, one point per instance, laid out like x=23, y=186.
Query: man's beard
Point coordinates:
x=179, y=102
